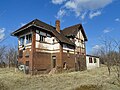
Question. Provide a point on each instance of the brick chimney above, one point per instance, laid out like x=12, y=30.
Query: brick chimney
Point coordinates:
x=57, y=25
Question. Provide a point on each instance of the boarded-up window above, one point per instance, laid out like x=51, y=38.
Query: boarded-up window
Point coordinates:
x=90, y=60
x=27, y=63
x=20, y=53
x=27, y=54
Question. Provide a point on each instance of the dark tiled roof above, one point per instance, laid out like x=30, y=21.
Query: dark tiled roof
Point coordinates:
x=62, y=38
x=35, y=22
x=72, y=30
x=40, y=24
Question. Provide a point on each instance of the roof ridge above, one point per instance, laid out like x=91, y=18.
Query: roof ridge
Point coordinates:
x=43, y=22
x=72, y=26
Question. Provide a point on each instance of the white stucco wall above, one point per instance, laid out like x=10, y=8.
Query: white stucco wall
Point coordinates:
x=48, y=44
x=92, y=65
x=80, y=35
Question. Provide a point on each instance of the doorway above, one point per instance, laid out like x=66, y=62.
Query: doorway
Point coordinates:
x=27, y=67
x=53, y=61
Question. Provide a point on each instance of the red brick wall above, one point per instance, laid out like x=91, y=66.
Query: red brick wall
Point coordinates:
x=42, y=61
x=70, y=61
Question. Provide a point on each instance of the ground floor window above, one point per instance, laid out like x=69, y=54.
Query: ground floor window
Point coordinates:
x=90, y=60
x=95, y=60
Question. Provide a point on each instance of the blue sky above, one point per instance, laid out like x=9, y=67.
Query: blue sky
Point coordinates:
x=99, y=17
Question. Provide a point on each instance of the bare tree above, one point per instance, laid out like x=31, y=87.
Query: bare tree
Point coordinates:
x=2, y=53
x=107, y=52
x=116, y=59
x=11, y=56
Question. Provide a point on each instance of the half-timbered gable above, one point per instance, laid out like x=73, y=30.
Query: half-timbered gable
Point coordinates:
x=77, y=35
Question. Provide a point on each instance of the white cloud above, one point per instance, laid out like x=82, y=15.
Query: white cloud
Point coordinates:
x=61, y=13
x=58, y=1
x=79, y=7
x=22, y=24
x=2, y=33
x=96, y=47
x=83, y=15
x=94, y=14
x=107, y=30
x=117, y=20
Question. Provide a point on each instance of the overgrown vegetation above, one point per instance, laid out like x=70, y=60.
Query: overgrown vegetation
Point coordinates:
x=109, y=54
x=96, y=79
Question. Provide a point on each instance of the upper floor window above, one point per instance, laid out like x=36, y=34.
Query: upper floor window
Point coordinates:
x=25, y=39
x=48, y=35
x=28, y=38
x=42, y=36
x=22, y=39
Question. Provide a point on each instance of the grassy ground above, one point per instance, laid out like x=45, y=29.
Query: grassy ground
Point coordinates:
x=96, y=79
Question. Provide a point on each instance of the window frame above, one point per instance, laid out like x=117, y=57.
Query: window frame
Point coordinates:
x=90, y=60
x=30, y=39
x=42, y=37
x=95, y=60
x=25, y=40
x=21, y=40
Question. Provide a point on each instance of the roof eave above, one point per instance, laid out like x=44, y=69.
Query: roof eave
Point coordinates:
x=19, y=30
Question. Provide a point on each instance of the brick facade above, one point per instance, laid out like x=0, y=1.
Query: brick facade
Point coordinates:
x=43, y=60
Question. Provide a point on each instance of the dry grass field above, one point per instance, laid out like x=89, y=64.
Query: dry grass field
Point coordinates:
x=95, y=79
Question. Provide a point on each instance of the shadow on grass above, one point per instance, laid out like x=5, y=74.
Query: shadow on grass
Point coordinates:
x=89, y=87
